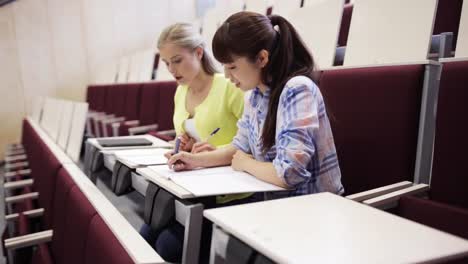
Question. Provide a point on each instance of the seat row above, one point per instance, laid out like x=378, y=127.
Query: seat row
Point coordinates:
x=63, y=214
x=128, y=109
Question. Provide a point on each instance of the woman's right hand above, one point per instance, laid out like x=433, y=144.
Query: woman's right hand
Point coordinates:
x=183, y=161
x=186, y=142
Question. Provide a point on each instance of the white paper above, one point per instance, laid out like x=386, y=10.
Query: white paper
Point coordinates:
x=142, y=157
x=215, y=181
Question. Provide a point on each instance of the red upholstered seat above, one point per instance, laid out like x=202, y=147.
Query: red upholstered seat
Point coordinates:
x=79, y=213
x=374, y=114
x=102, y=246
x=449, y=179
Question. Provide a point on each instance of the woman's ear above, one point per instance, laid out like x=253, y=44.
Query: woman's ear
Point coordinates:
x=262, y=58
x=199, y=52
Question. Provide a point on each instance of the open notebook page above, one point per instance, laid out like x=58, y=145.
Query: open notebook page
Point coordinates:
x=215, y=181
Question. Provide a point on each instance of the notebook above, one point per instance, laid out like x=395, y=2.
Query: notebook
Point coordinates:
x=124, y=142
x=215, y=181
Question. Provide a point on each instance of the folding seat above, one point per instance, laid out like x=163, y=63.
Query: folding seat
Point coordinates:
x=374, y=114
x=157, y=105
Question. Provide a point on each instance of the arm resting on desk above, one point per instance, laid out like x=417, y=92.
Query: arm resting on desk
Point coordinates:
x=358, y=197
x=387, y=200
x=28, y=240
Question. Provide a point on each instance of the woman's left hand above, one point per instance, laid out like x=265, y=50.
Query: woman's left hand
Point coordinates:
x=202, y=147
x=239, y=160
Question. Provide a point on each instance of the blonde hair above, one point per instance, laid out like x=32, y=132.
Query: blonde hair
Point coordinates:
x=186, y=36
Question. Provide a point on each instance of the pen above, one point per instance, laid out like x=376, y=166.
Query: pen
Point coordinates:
x=212, y=134
x=177, y=145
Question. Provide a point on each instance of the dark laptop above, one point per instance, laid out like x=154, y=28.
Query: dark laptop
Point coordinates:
x=124, y=142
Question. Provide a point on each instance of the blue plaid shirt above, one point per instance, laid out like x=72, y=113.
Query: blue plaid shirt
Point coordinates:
x=304, y=154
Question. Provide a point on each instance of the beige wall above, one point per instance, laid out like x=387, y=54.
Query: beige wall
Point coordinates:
x=11, y=93
x=54, y=47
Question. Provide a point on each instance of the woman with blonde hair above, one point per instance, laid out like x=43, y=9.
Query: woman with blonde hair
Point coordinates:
x=205, y=101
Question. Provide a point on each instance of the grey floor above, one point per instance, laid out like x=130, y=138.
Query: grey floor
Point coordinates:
x=130, y=205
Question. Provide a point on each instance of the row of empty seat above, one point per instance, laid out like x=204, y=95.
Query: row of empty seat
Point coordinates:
x=123, y=109
x=77, y=224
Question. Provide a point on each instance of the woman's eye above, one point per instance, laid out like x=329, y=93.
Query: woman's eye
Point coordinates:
x=231, y=67
x=177, y=61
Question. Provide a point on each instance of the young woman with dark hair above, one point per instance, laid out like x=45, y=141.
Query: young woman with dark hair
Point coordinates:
x=284, y=136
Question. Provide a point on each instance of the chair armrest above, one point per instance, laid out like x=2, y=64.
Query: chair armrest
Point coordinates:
x=15, y=152
x=104, y=123
x=115, y=129
x=358, y=197
x=30, y=213
x=16, y=158
x=18, y=184
x=16, y=165
x=29, y=240
x=112, y=120
x=170, y=132
x=25, y=172
x=21, y=197
x=387, y=200
x=142, y=129
x=132, y=123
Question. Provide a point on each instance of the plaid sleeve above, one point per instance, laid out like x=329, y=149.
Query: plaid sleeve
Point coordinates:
x=297, y=120
x=241, y=140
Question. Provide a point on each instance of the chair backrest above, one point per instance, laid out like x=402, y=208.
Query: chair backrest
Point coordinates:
x=374, y=113
x=285, y=8
x=211, y=21
x=345, y=23
x=109, y=102
x=38, y=103
x=124, y=65
x=383, y=31
x=63, y=186
x=162, y=72
x=66, y=119
x=101, y=93
x=448, y=18
x=132, y=101
x=102, y=246
x=146, y=65
x=79, y=213
x=134, y=68
x=45, y=166
x=77, y=130
x=149, y=103
x=449, y=179
x=166, y=105
x=319, y=19
x=462, y=44
x=119, y=94
x=259, y=6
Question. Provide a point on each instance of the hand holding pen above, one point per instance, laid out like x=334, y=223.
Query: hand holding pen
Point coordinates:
x=204, y=145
